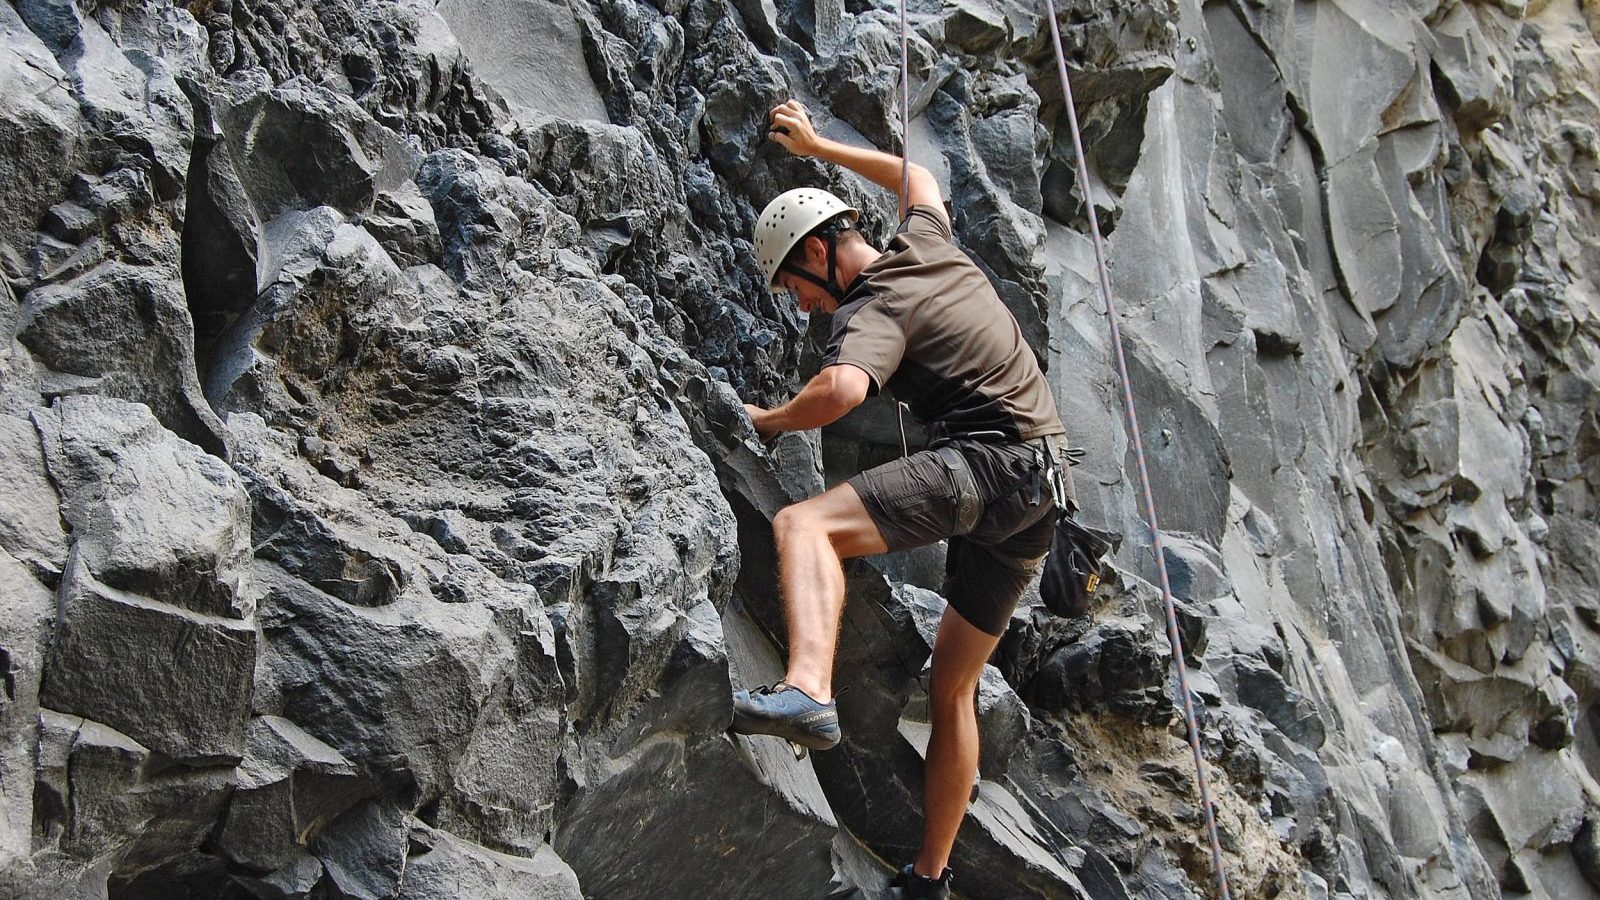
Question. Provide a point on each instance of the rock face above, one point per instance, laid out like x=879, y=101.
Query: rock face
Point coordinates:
x=378, y=518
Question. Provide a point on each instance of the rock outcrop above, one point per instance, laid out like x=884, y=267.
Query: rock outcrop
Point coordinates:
x=378, y=517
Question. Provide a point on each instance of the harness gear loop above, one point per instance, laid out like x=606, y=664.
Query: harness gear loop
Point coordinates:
x=1174, y=638
x=1047, y=454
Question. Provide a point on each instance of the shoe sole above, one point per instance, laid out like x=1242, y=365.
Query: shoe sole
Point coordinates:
x=809, y=740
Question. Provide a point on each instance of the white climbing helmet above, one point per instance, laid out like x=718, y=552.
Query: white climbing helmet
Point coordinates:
x=788, y=219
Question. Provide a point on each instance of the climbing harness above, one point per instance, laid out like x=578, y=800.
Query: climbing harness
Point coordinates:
x=1173, y=637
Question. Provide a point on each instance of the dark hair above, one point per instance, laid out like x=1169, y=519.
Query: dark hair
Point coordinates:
x=840, y=226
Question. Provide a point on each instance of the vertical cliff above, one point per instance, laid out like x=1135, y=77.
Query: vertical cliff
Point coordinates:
x=378, y=517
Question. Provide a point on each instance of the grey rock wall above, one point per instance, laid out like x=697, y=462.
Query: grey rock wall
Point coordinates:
x=378, y=518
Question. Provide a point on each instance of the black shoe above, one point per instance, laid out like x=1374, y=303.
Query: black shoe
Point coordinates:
x=788, y=712
x=915, y=887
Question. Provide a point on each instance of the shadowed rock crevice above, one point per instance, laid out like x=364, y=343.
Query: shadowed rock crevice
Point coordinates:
x=219, y=268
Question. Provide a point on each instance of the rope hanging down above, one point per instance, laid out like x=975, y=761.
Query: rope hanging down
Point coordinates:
x=905, y=119
x=1173, y=638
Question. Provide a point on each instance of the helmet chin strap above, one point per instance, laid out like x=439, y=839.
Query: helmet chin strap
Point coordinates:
x=828, y=284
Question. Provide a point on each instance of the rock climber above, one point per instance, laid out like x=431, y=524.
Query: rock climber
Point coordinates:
x=921, y=321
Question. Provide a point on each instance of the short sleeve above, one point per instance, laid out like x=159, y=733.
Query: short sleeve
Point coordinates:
x=869, y=337
x=925, y=221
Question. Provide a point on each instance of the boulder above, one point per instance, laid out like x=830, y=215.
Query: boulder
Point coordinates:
x=477, y=208
x=289, y=787
x=415, y=721
x=861, y=77
x=122, y=331
x=1518, y=811
x=295, y=878
x=85, y=773
x=683, y=825
x=107, y=817
x=129, y=97
x=150, y=514
x=364, y=851
x=1254, y=100
x=1004, y=237
x=341, y=562
x=402, y=221
x=297, y=145
x=1261, y=688
x=30, y=515
x=176, y=681
x=1479, y=87
x=269, y=154
x=976, y=26
x=1118, y=666
x=1195, y=570
x=690, y=842
x=1586, y=852
x=441, y=866
x=1186, y=455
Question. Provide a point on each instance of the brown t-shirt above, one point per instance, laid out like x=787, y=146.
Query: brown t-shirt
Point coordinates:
x=924, y=321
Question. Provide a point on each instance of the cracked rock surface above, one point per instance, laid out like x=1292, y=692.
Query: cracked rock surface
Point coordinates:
x=378, y=517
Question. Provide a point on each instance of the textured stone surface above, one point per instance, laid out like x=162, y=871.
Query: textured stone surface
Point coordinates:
x=531, y=51
x=91, y=781
x=39, y=133
x=378, y=517
x=440, y=866
x=176, y=681
x=149, y=514
x=289, y=787
x=121, y=331
x=32, y=529
x=23, y=640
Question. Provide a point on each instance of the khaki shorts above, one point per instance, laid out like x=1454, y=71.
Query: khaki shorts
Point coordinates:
x=913, y=501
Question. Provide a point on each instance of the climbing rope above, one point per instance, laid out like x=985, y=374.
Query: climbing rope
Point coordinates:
x=1173, y=637
x=905, y=175
x=905, y=119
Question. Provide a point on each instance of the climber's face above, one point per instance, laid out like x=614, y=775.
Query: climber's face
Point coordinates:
x=808, y=295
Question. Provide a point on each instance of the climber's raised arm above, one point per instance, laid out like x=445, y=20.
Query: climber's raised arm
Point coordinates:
x=791, y=127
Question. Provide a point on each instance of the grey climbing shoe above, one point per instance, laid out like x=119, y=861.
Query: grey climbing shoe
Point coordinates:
x=787, y=712
x=915, y=887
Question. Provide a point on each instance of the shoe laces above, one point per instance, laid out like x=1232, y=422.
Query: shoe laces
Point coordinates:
x=779, y=687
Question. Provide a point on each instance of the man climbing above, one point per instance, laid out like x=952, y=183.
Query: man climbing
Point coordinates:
x=921, y=320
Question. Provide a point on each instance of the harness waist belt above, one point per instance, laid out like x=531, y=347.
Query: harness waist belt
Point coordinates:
x=1048, y=451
